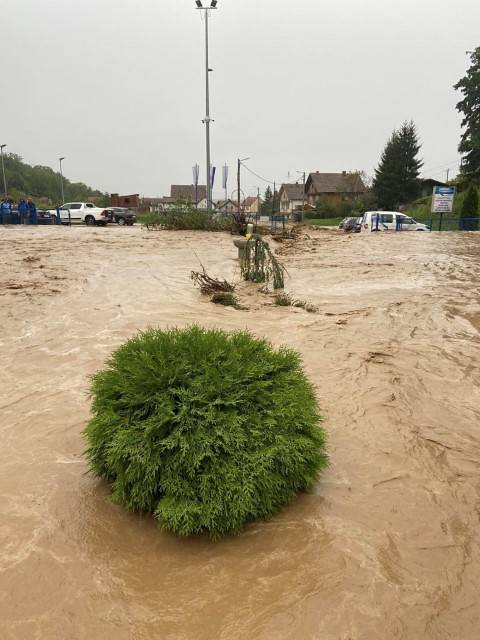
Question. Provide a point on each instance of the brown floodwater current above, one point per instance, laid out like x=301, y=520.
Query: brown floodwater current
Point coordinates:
x=387, y=544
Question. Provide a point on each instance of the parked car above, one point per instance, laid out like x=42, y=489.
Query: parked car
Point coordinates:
x=44, y=216
x=82, y=212
x=351, y=225
x=121, y=215
x=390, y=221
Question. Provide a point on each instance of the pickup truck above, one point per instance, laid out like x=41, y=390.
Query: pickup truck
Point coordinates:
x=121, y=215
x=82, y=212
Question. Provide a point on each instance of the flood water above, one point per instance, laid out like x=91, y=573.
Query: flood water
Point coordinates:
x=386, y=546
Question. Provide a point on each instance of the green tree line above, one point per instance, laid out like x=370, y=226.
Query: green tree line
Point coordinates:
x=24, y=180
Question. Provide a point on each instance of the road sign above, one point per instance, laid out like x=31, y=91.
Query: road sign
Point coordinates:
x=442, y=201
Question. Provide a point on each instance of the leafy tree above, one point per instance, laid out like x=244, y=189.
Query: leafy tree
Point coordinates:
x=396, y=179
x=469, y=214
x=43, y=182
x=205, y=429
x=469, y=146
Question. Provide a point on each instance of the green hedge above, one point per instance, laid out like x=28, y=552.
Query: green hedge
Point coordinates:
x=185, y=218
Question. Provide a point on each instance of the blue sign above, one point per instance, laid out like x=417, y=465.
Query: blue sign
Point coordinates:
x=444, y=191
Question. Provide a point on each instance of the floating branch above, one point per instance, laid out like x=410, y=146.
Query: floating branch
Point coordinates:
x=209, y=285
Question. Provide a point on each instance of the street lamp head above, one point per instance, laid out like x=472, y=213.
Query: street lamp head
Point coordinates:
x=61, y=159
x=213, y=4
x=2, y=146
x=199, y=4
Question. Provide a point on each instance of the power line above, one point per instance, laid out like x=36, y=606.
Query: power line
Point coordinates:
x=257, y=175
x=451, y=164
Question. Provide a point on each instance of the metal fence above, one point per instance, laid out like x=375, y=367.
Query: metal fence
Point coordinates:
x=435, y=223
x=452, y=223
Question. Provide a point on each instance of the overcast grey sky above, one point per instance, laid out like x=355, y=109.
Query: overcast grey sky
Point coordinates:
x=117, y=86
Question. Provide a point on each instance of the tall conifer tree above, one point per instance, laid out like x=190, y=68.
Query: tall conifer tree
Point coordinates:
x=397, y=176
x=469, y=146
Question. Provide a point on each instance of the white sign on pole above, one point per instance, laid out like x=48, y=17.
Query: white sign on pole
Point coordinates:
x=442, y=200
x=196, y=174
x=225, y=176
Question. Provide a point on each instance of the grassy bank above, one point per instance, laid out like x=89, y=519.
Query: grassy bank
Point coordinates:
x=325, y=222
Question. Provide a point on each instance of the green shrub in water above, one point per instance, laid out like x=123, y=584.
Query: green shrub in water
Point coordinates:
x=185, y=217
x=205, y=429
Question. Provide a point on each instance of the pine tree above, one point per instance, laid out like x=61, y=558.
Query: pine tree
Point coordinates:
x=469, y=146
x=396, y=179
x=267, y=202
x=469, y=215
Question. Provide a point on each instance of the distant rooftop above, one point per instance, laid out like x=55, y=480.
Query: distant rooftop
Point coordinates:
x=187, y=192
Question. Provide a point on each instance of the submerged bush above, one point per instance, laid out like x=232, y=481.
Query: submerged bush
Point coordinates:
x=204, y=429
x=185, y=217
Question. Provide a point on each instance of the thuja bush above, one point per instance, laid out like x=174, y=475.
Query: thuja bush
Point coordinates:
x=205, y=429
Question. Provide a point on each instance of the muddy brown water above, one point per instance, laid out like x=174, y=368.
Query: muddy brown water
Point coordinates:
x=385, y=547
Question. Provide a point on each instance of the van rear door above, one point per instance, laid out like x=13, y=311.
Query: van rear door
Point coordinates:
x=388, y=221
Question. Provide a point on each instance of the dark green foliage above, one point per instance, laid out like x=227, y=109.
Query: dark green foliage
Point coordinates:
x=283, y=300
x=267, y=204
x=204, y=429
x=469, y=215
x=397, y=177
x=286, y=300
x=469, y=146
x=225, y=298
x=258, y=264
x=38, y=182
x=271, y=202
x=185, y=217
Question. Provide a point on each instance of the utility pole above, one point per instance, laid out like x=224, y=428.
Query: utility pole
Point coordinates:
x=303, y=205
x=240, y=160
x=207, y=120
x=273, y=199
x=304, y=175
x=238, y=185
x=302, y=218
x=258, y=203
x=2, y=147
x=61, y=179
x=448, y=173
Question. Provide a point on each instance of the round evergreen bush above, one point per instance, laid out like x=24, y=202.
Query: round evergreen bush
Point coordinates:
x=205, y=429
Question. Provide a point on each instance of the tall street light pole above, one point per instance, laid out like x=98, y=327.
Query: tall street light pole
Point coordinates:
x=207, y=120
x=61, y=179
x=2, y=147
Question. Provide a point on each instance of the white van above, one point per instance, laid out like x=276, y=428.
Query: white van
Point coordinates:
x=390, y=221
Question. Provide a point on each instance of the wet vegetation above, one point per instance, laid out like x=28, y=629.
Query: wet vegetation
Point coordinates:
x=258, y=264
x=205, y=429
x=185, y=217
x=287, y=300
